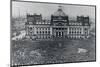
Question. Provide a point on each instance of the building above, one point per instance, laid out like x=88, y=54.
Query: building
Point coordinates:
x=58, y=27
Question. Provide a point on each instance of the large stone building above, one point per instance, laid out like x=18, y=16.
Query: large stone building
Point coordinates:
x=58, y=27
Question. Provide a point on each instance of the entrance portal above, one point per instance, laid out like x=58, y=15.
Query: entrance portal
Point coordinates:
x=59, y=34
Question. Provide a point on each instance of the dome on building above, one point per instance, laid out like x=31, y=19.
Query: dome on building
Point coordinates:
x=59, y=12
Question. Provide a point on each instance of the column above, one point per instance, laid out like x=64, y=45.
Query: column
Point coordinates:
x=60, y=34
x=51, y=30
x=82, y=30
x=68, y=30
x=35, y=30
x=26, y=30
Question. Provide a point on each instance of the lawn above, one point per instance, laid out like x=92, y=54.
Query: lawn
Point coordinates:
x=26, y=52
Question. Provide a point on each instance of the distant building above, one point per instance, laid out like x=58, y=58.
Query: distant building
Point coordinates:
x=58, y=27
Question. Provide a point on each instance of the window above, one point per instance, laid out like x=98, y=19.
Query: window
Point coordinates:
x=40, y=32
x=36, y=28
x=56, y=28
x=43, y=32
x=48, y=28
x=75, y=29
x=80, y=32
x=72, y=32
x=85, y=33
x=65, y=28
x=37, y=32
x=40, y=28
x=59, y=28
x=30, y=28
x=85, y=29
x=49, y=37
x=77, y=32
x=48, y=32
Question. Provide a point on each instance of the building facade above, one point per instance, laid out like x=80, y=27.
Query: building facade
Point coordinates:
x=58, y=27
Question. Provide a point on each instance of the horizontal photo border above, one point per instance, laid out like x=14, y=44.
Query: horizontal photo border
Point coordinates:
x=49, y=3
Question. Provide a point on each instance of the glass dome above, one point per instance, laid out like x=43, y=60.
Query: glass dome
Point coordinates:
x=59, y=12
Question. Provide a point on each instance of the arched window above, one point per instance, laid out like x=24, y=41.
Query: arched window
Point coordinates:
x=37, y=32
x=77, y=32
x=48, y=32
x=40, y=32
x=80, y=32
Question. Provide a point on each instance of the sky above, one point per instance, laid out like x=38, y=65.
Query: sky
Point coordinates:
x=21, y=8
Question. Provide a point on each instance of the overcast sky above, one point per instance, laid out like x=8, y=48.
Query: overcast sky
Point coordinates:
x=47, y=9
